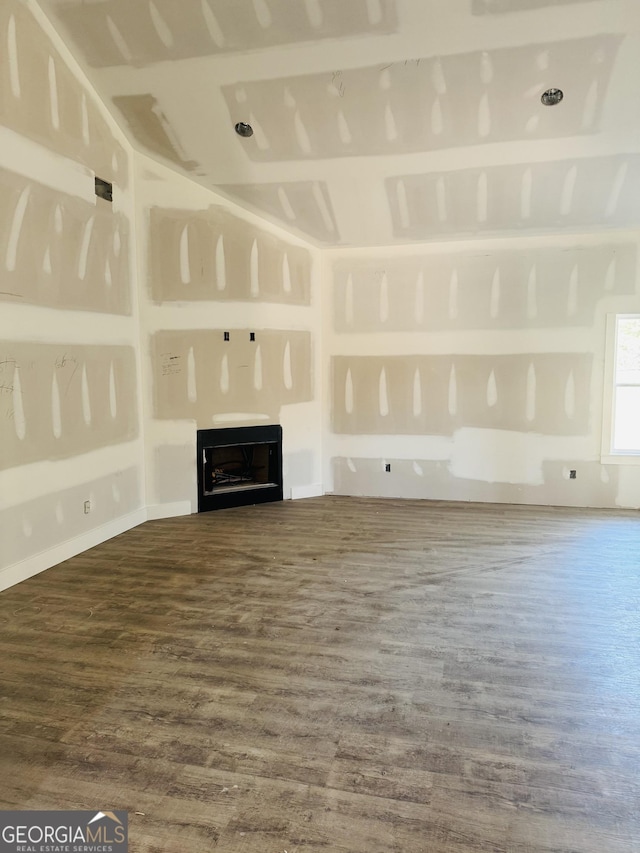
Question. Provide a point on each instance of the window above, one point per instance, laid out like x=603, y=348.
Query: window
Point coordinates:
x=623, y=437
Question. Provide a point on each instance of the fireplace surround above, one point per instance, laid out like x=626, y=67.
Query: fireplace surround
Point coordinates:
x=238, y=466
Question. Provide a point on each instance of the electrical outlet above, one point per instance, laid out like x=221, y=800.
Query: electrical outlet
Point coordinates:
x=87, y=507
x=387, y=467
x=572, y=474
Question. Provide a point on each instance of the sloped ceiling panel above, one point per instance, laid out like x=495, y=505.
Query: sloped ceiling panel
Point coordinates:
x=305, y=205
x=570, y=194
x=381, y=121
x=129, y=32
x=428, y=103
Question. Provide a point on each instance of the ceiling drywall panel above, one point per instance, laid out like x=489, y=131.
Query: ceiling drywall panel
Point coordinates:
x=381, y=121
x=425, y=103
x=552, y=195
x=134, y=33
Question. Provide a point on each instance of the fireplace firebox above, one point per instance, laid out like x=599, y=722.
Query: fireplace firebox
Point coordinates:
x=239, y=466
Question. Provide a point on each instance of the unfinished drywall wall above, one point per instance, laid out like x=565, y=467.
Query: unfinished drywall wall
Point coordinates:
x=535, y=288
x=465, y=374
x=143, y=33
x=199, y=375
x=214, y=255
x=62, y=251
x=71, y=461
x=48, y=517
x=62, y=400
x=231, y=323
x=438, y=394
x=428, y=479
x=42, y=98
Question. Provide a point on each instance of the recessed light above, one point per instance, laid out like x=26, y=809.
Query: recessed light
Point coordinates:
x=552, y=97
x=243, y=129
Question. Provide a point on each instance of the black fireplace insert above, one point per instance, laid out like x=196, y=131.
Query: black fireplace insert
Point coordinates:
x=239, y=466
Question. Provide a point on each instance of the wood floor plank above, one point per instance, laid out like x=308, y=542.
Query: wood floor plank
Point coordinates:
x=337, y=675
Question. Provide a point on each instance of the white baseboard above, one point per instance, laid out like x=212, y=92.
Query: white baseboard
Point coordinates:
x=315, y=490
x=18, y=572
x=157, y=511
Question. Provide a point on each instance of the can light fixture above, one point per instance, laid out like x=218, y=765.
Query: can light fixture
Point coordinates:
x=552, y=97
x=243, y=129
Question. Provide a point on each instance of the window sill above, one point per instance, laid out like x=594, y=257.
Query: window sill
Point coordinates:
x=626, y=458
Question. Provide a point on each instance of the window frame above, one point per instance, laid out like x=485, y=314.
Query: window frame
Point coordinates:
x=608, y=455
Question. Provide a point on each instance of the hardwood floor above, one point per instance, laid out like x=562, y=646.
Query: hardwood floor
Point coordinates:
x=337, y=674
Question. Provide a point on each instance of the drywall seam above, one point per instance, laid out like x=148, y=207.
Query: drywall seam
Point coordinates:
x=481, y=244
x=70, y=328
x=33, y=161
x=234, y=316
x=486, y=342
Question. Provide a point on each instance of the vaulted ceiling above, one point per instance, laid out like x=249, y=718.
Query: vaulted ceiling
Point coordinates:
x=381, y=121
